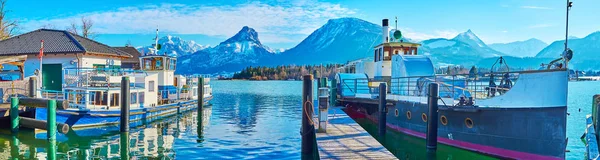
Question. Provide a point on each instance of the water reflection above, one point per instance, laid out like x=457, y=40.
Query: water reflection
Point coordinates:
x=248, y=120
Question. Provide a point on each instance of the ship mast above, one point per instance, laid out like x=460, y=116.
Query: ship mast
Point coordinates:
x=566, y=55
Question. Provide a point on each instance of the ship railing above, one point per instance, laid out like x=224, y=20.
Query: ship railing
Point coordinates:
x=98, y=77
x=476, y=86
x=352, y=87
x=166, y=96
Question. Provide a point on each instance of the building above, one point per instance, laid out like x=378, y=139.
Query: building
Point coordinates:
x=132, y=62
x=62, y=50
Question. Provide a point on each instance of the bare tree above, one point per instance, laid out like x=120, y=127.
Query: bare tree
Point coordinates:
x=85, y=27
x=8, y=28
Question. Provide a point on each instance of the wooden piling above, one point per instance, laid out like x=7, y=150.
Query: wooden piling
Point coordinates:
x=14, y=114
x=39, y=124
x=32, y=87
x=382, y=110
x=124, y=145
x=432, y=122
x=200, y=127
x=51, y=121
x=333, y=94
x=308, y=125
x=125, y=102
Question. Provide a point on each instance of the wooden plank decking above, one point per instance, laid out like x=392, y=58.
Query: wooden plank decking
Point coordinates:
x=346, y=139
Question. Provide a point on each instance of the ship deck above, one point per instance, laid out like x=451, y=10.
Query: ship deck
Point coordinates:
x=346, y=139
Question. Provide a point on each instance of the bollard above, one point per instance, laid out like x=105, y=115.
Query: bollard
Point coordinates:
x=323, y=109
x=382, y=110
x=32, y=87
x=432, y=122
x=125, y=102
x=14, y=114
x=124, y=145
x=308, y=126
x=51, y=125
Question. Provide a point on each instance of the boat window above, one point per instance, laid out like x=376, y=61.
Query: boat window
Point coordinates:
x=158, y=63
x=147, y=64
x=141, y=97
x=104, y=98
x=381, y=54
x=387, y=55
x=376, y=57
x=151, y=86
x=172, y=64
x=114, y=99
x=133, y=98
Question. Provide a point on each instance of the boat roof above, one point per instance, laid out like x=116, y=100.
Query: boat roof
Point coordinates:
x=55, y=41
x=399, y=44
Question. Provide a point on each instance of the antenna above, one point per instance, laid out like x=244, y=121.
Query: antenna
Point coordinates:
x=396, y=22
x=156, y=41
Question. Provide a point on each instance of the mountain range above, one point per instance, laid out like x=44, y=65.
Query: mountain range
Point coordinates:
x=345, y=39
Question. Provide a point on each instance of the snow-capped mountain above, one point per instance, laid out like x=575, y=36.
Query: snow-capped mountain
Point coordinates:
x=242, y=50
x=464, y=49
x=173, y=45
x=527, y=48
x=338, y=41
x=585, y=51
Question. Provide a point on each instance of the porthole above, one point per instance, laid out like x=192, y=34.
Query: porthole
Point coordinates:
x=444, y=120
x=469, y=123
x=408, y=114
x=397, y=113
x=424, y=117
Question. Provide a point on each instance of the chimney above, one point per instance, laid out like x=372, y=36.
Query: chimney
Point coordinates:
x=386, y=32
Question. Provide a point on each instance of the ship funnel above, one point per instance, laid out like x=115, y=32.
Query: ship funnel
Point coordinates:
x=386, y=33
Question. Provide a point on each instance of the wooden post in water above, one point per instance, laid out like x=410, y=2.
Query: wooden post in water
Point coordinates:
x=51, y=125
x=125, y=102
x=32, y=87
x=333, y=94
x=200, y=129
x=14, y=114
x=382, y=110
x=432, y=122
x=308, y=126
x=124, y=145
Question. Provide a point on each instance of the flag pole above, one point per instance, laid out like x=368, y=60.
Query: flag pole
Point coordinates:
x=41, y=57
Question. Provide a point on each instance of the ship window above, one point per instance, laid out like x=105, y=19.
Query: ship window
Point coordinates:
x=141, y=97
x=376, y=55
x=158, y=63
x=104, y=98
x=424, y=117
x=95, y=98
x=151, y=86
x=147, y=64
x=114, y=99
x=172, y=63
x=469, y=123
x=133, y=98
x=396, y=113
x=408, y=115
x=381, y=54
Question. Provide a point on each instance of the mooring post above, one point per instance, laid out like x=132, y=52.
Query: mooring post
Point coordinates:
x=595, y=116
x=14, y=147
x=333, y=94
x=308, y=126
x=51, y=125
x=432, y=122
x=382, y=110
x=14, y=114
x=199, y=120
x=32, y=87
x=125, y=102
x=51, y=150
x=124, y=145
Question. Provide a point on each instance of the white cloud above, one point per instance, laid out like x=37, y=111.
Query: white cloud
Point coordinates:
x=536, y=7
x=505, y=31
x=540, y=26
x=419, y=36
x=272, y=22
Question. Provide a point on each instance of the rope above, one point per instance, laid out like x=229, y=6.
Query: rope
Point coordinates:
x=309, y=118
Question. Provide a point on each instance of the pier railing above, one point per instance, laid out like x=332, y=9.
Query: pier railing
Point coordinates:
x=99, y=77
x=476, y=86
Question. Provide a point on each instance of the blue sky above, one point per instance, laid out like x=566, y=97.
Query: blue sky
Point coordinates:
x=283, y=24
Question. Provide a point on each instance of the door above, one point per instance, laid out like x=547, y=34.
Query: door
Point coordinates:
x=52, y=77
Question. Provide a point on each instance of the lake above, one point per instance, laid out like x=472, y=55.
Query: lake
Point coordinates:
x=247, y=120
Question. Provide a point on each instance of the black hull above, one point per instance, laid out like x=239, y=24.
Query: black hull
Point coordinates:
x=520, y=133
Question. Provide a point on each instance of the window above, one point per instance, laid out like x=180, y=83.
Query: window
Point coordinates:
x=133, y=98
x=95, y=98
x=104, y=98
x=114, y=99
x=172, y=64
x=151, y=86
x=141, y=97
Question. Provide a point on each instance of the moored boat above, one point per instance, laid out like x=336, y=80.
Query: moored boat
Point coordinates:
x=518, y=115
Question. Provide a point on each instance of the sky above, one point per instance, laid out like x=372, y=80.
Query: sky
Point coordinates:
x=285, y=23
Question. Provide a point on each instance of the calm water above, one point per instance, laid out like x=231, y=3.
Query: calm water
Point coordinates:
x=247, y=120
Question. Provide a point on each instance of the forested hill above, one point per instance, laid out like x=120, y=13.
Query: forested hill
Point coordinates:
x=287, y=72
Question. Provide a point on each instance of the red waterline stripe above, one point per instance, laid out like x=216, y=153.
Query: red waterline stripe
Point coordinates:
x=461, y=144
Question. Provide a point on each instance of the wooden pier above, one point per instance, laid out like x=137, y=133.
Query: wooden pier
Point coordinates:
x=346, y=139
